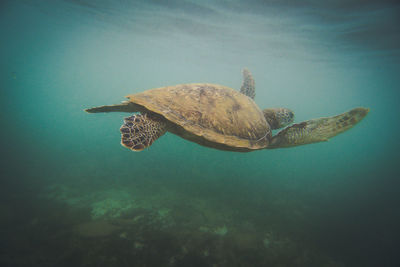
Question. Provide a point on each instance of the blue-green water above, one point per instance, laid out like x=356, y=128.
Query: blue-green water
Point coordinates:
x=71, y=195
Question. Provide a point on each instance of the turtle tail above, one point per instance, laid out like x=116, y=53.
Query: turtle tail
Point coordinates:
x=139, y=131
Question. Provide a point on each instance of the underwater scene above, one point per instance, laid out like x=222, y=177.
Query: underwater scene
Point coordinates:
x=203, y=186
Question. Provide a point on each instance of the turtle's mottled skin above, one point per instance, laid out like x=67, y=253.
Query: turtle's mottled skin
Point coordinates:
x=219, y=117
x=141, y=130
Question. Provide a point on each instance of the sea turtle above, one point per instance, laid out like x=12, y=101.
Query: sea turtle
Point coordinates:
x=219, y=117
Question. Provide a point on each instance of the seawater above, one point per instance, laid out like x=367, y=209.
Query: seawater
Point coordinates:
x=71, y=195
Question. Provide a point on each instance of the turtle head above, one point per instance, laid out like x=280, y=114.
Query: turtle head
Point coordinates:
x=278, y=117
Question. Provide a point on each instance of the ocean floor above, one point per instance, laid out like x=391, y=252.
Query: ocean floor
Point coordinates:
x=126, y=226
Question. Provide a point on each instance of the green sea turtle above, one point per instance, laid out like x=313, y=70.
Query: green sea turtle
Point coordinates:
x=219, y=117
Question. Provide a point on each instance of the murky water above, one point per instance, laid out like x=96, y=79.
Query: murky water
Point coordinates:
x=71, y=195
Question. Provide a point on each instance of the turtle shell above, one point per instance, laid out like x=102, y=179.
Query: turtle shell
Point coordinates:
x=216, y=113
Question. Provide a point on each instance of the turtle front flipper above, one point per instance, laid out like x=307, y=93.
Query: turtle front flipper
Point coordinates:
x=139, y=131
x=317, y=130
x=248, y=86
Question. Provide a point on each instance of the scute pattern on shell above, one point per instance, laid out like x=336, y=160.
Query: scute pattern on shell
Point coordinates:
x=215, y=112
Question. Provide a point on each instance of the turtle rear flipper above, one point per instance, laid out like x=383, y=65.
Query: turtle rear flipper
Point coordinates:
x=139, y=131
x=317, y=130
x=123, y=107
